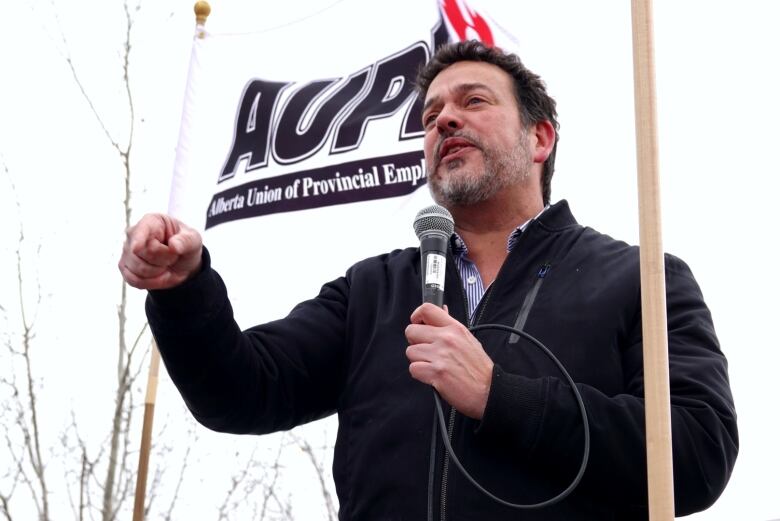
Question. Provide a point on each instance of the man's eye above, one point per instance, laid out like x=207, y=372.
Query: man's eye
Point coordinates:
x=429, y=120
x=474, y=101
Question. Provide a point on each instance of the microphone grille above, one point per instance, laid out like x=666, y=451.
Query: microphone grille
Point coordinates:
x=433, y=218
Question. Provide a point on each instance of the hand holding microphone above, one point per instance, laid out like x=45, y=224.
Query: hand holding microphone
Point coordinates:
x=442, y=351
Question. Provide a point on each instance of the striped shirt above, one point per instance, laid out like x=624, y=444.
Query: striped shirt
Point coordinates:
x=469, y=274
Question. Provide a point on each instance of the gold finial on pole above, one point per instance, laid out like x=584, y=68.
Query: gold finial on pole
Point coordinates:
x=202, y=12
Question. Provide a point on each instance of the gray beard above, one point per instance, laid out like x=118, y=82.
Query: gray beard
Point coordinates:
x=471, y=187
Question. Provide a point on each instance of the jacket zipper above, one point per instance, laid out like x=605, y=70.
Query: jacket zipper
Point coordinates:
x=525, y=310
x=432, y=466
x=445, y=471
x=481, y=309
x=451, y=423
x=451, y=427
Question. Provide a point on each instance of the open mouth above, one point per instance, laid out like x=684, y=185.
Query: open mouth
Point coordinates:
x=452, y=145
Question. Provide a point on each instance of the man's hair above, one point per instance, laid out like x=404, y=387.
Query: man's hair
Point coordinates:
x=530, y=91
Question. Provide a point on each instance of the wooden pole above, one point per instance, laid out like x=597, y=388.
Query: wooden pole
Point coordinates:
x=146, y=435
x=660, y=478
x=202, y=11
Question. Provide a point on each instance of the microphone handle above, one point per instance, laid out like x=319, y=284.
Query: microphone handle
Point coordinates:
x=433, y=259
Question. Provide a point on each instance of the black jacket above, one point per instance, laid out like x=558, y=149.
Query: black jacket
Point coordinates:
x=574, y=289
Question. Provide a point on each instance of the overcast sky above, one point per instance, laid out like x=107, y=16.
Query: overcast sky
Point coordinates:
x=718, y=79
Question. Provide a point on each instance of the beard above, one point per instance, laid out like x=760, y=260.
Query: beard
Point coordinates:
x=463, y=186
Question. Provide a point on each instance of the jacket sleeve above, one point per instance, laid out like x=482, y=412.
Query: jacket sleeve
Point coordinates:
x=543, y=417
x=267, y=378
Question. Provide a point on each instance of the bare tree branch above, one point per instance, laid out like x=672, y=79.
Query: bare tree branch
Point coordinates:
x=320, y=471
x=24, y=397
x=235, y=481
x=77, y=79
x=100, y=479
x=185, y=463
x=32, y=439
x=270, y=487
x=78, y=501
x=15, y=471
x=100, y=475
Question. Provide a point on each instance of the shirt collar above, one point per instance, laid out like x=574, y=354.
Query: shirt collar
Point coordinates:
x=459, y=247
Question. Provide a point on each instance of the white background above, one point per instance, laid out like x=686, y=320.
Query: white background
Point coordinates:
x=717, y=85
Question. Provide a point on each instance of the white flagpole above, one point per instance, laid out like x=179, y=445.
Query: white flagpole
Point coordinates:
x=660, y=478
x=202, y=11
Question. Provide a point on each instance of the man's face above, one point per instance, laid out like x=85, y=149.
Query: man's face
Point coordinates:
x=475, y=144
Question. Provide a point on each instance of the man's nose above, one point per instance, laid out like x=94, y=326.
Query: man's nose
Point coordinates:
x=448, y=120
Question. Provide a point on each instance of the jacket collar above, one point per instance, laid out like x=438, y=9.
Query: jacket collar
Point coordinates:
x=557, y=217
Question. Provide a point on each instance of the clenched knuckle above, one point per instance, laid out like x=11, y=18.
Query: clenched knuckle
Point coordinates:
x=450, y=338
x=438, y=369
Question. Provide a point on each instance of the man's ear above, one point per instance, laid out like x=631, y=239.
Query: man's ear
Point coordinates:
x=545, y=140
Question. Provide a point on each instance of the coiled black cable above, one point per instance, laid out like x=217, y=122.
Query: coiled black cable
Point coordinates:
x=577, y=395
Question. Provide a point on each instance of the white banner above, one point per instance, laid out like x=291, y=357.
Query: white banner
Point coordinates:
x=301, y=147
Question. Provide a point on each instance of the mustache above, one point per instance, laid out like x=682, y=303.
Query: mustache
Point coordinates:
x=463, y=134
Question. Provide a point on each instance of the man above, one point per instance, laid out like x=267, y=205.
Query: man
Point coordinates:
x=365, y=349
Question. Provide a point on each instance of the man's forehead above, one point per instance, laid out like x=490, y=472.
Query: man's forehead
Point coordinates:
x=459, y=88
x=467, y=76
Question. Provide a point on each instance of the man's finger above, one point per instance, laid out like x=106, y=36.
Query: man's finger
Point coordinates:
x=418, y=353
x=151, y=226
x=157, y=254
x=186, y=242
x=422, y=371
x=420, y=333
x=162, y=281
x=431, y=315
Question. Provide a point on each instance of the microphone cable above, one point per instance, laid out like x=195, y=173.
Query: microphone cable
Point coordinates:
x=580, y=404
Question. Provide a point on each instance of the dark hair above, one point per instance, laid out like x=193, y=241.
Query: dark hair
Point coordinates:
x=530, y=91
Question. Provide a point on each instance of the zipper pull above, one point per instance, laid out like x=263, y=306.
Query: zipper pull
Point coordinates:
x=544, y=270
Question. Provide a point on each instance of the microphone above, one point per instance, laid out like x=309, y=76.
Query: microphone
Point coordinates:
x=433, y=226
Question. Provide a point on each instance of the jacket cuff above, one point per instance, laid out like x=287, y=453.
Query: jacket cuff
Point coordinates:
x=514, y=409
x=197, y=297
